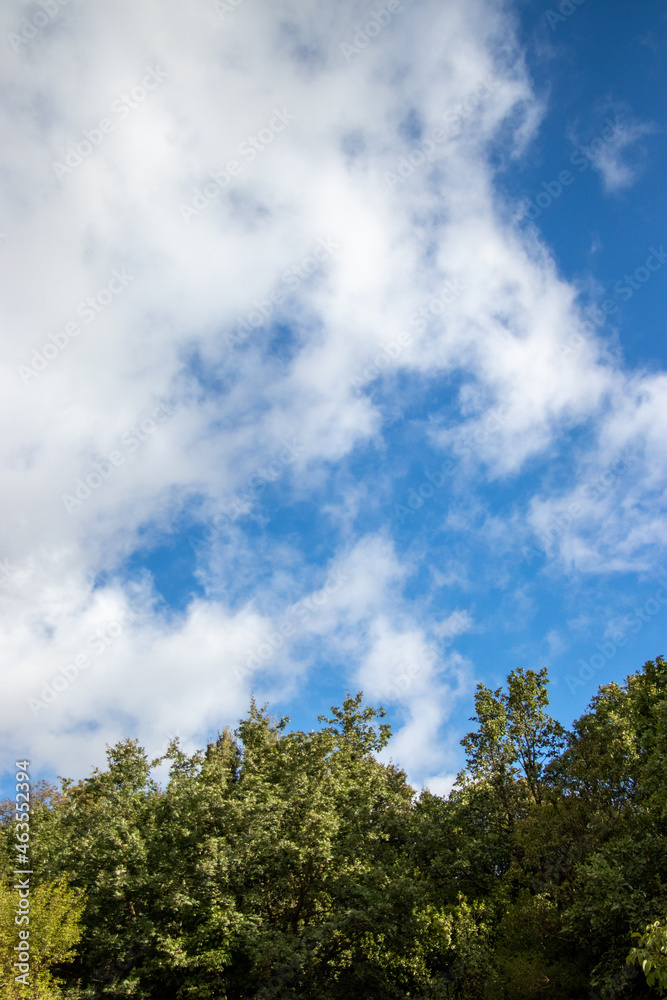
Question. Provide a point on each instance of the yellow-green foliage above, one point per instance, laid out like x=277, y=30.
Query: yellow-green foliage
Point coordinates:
x=55, y=914
x=651, y=954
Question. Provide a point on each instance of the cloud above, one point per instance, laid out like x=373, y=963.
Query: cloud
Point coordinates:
x=615, y=162
x=275, y=144
x=616, y=150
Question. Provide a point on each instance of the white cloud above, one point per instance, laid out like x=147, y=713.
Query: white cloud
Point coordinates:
x=616, y=149
x=615, y=161
x=165, y=336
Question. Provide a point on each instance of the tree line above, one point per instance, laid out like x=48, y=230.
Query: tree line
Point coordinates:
x=278, y=864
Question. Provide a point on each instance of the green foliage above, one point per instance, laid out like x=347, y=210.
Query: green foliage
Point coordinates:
x=53, y=928
x=514, y=740
x=651, y=953
x=279, y=864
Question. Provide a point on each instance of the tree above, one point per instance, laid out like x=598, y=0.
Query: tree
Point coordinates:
x=278, y=864
x=515, y=738
x=53, y=929
x=273, y=864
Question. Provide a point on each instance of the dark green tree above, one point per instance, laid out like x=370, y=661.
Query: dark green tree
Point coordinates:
x=278, y=864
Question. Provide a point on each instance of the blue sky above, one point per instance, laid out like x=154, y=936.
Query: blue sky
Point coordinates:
x=334, y=360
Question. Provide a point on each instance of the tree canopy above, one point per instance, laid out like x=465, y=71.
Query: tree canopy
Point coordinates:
x=289, y=864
